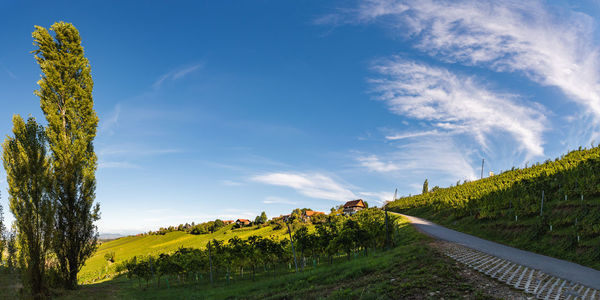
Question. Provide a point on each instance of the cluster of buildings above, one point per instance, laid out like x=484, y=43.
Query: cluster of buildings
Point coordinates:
x=349, y=208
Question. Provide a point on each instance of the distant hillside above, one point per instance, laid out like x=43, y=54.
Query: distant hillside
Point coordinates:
x=98, y=268
x=508, y=207
x=109, y=236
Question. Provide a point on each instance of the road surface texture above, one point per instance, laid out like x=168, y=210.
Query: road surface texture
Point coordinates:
x=544, y=276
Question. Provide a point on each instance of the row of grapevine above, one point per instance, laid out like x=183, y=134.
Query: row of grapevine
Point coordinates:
x=225, y=261
x=572, y=176
x=551, y=208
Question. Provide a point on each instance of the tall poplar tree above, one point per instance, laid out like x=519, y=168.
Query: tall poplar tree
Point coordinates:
x=27, y=173
x=425, y=187
x=66, y=100
x=2, y=234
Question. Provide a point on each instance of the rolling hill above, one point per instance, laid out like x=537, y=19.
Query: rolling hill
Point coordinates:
x=508, y=207
x=97, y=268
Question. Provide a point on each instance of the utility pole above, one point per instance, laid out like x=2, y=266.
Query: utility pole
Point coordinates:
x=210, y=261
x=387, y=229
x=482, y=160
x=293, y=250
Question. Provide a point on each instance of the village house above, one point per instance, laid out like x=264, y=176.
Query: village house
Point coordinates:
x=242, y=222
x=351, y=207
x=227, y=222
x=309, y=214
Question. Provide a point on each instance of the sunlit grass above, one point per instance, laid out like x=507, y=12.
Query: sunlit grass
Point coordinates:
x=411, y=270
x=98, y=269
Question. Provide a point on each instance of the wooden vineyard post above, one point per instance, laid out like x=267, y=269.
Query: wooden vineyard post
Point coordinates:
x=210, y=263
x=542, y=207
x=293, y=250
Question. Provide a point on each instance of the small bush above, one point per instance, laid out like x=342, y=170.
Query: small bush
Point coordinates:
x=110, y=256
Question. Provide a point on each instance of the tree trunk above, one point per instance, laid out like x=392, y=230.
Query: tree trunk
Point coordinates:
x=72, y=279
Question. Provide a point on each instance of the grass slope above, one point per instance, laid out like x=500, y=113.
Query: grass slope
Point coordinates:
x=97, y=268
x=506, y=208
x=412, y=270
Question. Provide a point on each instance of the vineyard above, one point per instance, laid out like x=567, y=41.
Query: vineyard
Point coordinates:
x=98, y=268
x=552, y=208
x=339, y=236
x=411, y=269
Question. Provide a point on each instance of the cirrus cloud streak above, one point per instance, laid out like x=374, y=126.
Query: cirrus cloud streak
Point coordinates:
x=313, y=185
x=457, y=103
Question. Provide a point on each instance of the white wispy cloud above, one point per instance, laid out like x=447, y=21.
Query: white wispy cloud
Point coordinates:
x=423, y=156
x=313, y=185
x=551, y=45
x=125, y=156
x=136, y=150
x=117, y=165
x=373, y=163
x=457, y=103
x=227, y=182
x=407, y=135
x=176, y=74
x=378, y=197
x=108, y=124
x=10, y=74
x=278, y=200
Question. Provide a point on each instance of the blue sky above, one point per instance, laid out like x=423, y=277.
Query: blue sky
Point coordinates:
x=226, y=109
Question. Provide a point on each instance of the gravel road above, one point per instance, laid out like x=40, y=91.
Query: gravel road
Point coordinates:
x=553, y=266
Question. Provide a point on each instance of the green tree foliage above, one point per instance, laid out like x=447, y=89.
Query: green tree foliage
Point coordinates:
x=318, y=219
x=425, y=187
x=262, y=219
x=110, y=256
x=345, y=234
x=66, y=99
x=348, y=239
x=27, y=171
x=372, y=228
x=2, y=235
x=305, y=241
x=11, y=249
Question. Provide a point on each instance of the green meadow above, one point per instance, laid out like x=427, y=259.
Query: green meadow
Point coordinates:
x=97, y=268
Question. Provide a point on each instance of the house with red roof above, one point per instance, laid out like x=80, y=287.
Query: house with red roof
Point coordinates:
x=309, y=214
x=351, y=207
x=242, y=222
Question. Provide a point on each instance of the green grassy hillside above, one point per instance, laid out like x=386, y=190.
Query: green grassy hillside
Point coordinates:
x=413, y=270
x=97, y=268
x=508, y=207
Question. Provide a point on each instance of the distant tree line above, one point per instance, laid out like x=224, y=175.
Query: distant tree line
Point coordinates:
x=296, y=218
x=193, y=228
